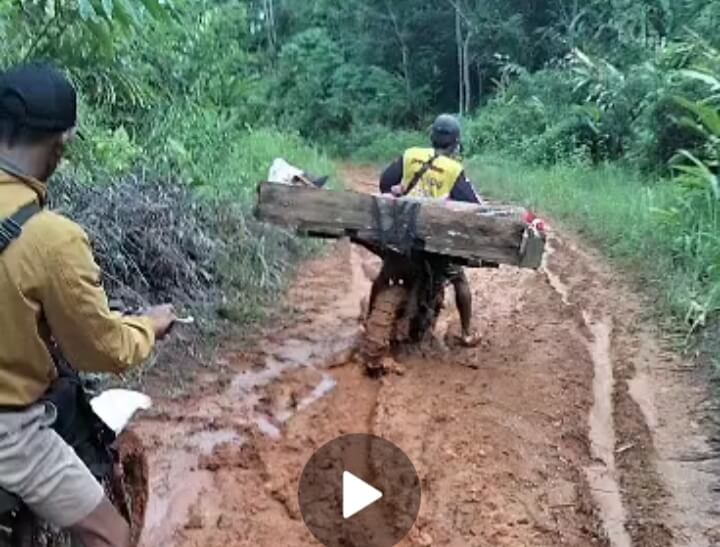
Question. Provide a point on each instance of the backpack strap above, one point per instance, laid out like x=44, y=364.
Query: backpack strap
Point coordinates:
x=420, y=174
x=11, y=227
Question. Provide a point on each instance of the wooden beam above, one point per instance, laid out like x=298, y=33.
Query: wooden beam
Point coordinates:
x=455, y=229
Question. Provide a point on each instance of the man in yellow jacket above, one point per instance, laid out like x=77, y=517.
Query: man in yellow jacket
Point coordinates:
x=51, y=293
x=436, y=173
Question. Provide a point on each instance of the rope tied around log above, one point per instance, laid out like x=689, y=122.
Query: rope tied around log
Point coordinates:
x=402, y=232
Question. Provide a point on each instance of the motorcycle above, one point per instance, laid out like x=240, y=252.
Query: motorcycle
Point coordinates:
x=95, y=425
x=407, y=309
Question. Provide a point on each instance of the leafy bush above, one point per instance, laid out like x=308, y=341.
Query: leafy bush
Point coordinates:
x=322, y=96
x=568, y=141
x=586, y=108
x=115, y=151
x=504, y=126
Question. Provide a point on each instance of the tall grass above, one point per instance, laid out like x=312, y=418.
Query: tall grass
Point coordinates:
x=249, y=156
x=645, y=225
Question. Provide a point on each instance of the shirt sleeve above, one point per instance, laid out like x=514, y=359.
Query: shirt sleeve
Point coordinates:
x=464, y=191
x=392, y=176
x=90, y=336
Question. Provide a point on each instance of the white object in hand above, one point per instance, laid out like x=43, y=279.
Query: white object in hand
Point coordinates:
x=116, y=407
x=185, y=320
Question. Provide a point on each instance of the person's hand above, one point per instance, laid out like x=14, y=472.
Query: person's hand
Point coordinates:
x=163, y=318
x=397, y=191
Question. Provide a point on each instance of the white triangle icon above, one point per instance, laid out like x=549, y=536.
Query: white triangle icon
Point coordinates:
x=357, y=495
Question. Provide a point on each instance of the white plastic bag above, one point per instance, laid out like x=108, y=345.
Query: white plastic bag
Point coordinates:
x=282, y=172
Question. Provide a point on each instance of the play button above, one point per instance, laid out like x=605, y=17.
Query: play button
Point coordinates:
x=359, y=491
x=357, y=495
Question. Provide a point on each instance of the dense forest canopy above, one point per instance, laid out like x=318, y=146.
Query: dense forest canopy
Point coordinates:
x=330, y=70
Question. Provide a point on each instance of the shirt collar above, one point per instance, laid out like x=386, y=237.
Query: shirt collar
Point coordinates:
x=39, y=188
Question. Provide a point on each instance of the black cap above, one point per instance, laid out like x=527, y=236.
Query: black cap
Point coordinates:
x=38, y=97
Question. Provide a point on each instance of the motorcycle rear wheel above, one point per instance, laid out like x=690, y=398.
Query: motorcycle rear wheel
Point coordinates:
x=381, y=325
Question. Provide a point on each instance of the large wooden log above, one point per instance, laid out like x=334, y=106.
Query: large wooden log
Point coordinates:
x=460, y=230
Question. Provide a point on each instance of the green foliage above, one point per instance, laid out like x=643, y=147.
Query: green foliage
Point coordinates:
x=534, y=119
x=320, y=94
x=692, y=222
x=247, y=160
x=588, y=108
x=115, y=151
x=306, y=68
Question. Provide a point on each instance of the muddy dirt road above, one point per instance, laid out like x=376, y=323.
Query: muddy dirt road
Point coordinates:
x=568, y=426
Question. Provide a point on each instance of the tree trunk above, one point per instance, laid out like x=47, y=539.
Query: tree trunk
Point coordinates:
x=269, y=8
x=404, y=51
x=466, y=72
x=406, y=70
x=461, y=61
x=481, y=81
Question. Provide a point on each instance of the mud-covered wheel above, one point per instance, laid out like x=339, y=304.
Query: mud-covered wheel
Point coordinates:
x=129, y=490
x=381, y=326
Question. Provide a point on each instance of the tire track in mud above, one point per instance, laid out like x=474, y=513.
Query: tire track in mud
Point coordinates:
x=501, y=435
x=664, y=497
x=602, y=474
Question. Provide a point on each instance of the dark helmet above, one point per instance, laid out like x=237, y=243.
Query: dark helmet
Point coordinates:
x=445, y=132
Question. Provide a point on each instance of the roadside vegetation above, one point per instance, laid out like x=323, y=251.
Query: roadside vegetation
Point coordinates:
x=620, y=211
x=602, y=113
x=619, y=140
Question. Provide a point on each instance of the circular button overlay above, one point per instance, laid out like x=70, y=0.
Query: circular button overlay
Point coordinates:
x=360, y=491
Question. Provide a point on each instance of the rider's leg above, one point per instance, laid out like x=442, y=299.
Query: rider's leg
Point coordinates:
x=463, y=300
x=47, y=474
x=104, y=527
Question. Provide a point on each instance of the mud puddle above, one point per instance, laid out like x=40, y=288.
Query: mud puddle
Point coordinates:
x=285, y=375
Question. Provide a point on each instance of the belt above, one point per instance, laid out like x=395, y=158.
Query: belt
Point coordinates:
x=24, y=426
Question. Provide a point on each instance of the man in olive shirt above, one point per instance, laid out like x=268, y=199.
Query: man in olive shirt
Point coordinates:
x=50, y=291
